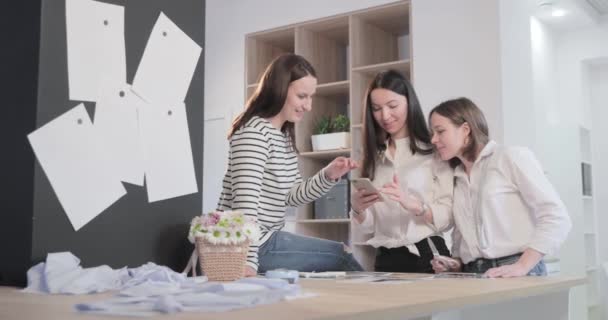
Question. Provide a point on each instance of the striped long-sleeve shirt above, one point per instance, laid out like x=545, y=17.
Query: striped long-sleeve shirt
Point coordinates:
x=262, y=178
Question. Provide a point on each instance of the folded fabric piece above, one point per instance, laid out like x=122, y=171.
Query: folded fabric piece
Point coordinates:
x=207, y=297
x=62, y=273
x=151, y=289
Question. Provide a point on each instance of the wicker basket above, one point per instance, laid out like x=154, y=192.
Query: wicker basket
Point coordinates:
x=222, y=262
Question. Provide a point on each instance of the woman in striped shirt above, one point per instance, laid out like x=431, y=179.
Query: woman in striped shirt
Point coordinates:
x=263, y=178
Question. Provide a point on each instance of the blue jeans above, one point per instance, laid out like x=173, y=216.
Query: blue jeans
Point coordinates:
x=482, y=265
x=306, y=254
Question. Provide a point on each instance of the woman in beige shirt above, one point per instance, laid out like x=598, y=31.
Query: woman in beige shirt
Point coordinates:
x=507, y=214
x=416, y=186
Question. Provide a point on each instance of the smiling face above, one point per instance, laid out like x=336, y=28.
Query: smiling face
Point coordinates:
x=299, y=99
x=448, y=138
x=390, y=112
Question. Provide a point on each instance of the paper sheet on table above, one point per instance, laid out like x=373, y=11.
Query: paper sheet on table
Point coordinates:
x=168, y=159
x=95, y=47
x=117, y=124
x=74, y=160
x=167, y=65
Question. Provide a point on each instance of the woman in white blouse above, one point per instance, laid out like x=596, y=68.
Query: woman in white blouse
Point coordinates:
x=417, y=187
x=507, y=214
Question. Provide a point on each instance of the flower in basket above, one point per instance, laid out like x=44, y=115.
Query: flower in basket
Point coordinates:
x=226, y=228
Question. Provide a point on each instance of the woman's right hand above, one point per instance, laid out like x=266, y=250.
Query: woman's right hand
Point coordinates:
x=360, y=200
x=446, y=264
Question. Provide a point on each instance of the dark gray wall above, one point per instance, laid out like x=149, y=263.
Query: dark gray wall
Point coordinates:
x=20, y=25
x=131, y=231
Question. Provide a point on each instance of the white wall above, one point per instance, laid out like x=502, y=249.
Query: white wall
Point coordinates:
x=577, y=52
x=556, y=132
x=574, y=52
x=227, y=22
x=573, y=49
x=518, y=109
x=599, y=110
x=456, y=52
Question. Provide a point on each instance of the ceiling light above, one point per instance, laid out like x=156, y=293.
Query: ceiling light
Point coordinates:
x=558, y=13
x=548, y=8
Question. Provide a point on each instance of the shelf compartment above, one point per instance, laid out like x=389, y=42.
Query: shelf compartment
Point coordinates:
x=325, y=44
x=338, y=88
x=336, y=231
x=262, y=47
x=380, y=35
x=329, y=105
x=403, y=66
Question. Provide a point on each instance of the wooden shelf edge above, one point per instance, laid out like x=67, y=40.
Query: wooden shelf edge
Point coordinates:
x=373, y=68
x=326, y=153
x=333, y=88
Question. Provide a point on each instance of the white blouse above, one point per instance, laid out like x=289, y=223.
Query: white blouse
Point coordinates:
x=518, y=208
x=426, y=175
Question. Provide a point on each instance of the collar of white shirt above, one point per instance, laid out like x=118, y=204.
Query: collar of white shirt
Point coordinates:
x=487, y=151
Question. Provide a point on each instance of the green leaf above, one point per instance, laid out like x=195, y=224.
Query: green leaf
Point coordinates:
x=341, y=124
x=323, y=126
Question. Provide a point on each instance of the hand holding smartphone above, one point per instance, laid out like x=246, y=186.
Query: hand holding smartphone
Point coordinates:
x=366, y=184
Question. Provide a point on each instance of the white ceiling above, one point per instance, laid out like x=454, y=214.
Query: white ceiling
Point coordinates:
x=578, y=13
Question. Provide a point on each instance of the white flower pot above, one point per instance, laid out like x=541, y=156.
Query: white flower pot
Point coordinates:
x=329, y=141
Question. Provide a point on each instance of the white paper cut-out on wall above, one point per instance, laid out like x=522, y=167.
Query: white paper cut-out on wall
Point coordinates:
x=95, y=47
x=73, y=158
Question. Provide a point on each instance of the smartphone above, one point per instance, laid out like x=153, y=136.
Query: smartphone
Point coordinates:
x=367, y=185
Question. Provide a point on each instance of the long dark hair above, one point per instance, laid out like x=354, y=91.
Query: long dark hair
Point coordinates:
x=271, y=93
x=460, y=111
x=375, y=137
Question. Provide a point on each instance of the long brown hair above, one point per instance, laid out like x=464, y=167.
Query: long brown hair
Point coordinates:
x=375, y=137
x=271, y=92
x=460, y=111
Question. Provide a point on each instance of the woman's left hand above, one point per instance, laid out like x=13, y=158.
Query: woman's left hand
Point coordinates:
x=509, y=271
x=407, y=201
x=339, y=167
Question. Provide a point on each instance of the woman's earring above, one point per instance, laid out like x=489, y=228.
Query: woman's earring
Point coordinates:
x=466, y=141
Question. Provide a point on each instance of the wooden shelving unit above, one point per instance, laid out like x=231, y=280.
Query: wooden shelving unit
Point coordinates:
x=347, y=51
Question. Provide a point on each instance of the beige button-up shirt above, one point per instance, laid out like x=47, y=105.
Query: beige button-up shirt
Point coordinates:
x=392, y=226
x=506, y=206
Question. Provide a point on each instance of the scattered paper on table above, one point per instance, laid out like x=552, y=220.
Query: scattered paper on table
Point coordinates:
x=95, y=47
x=74, y=160
x=167, y=65
x=116, y=122
x=168, y=161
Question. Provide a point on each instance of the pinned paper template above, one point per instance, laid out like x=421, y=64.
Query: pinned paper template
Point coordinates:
x=167, y=65
x=168, y=158
x=95, y=46
x=73, y=158
x=117, y=124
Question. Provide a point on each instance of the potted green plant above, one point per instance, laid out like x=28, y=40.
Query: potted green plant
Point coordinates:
x=331, y=133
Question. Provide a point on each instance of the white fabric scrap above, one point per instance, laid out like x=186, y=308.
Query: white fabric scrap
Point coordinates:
x=151, y=289
x=62, y=273
x=207, y=297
